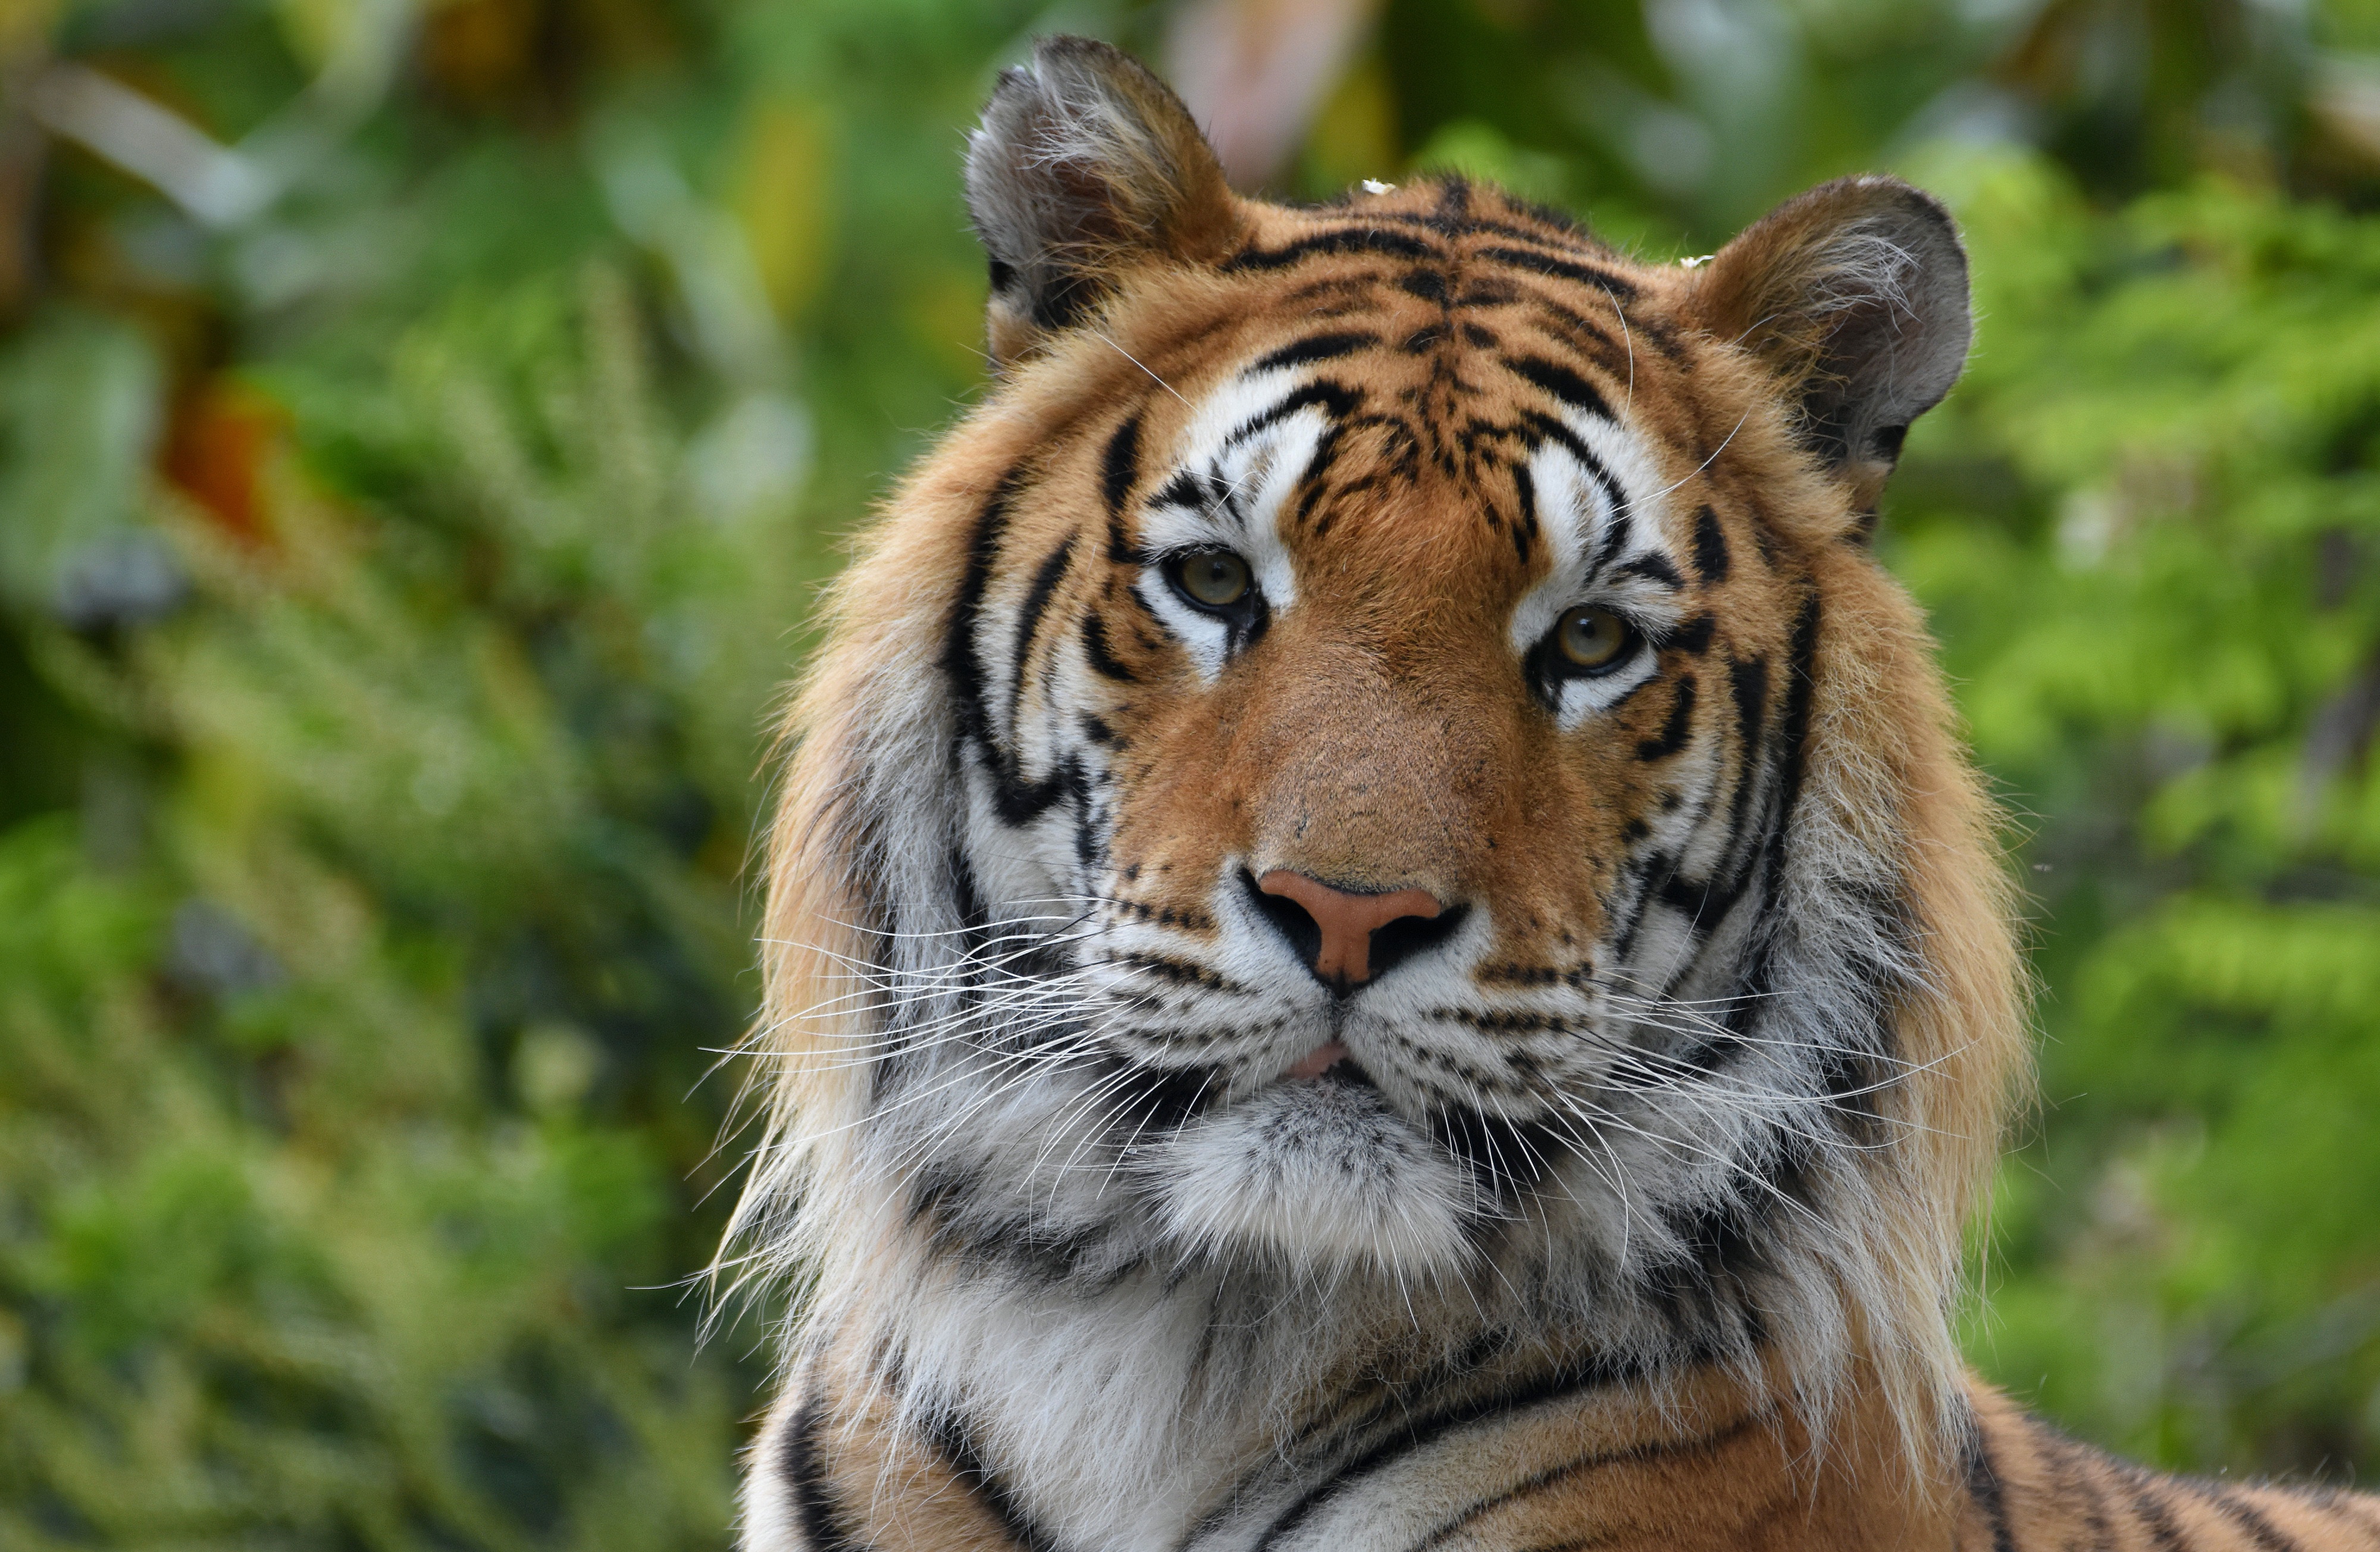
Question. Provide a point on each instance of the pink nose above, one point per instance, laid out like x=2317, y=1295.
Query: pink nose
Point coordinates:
x=1346, y=921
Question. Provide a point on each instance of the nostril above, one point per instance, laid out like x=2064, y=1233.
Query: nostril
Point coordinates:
x=1289, y=918
x=1399, y=941
x=1349, y=936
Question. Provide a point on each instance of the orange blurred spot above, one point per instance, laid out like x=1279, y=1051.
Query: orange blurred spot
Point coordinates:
x=217, y=444
x=480, y=52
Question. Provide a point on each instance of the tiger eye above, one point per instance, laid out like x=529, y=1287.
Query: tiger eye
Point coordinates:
x=1216, y=578
x=1590, y=638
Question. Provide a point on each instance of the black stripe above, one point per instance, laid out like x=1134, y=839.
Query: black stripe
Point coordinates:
x=1028, y=621
x=1801, y=682
x=820, y=1518
x=1498, y=1152
x=2091, y=1483
x=1622, y=288
x=1747, y=685
x=1545, y=427
x=1153, y=1098
x=2154, y=1515
x=1983, y=1486
x=2241, y=1512
x=955, y=1442
x=1563, y=382
x=1344, y=239
x=1185, y=489
x=1654, y=568
x=1568, y=234
x=1119, y=472
x=1429, y=284
x=1566, y=1380
x=1705, y=904
x=1015, y=799
x=1747, y=681
x=1710, y=546
x=961, y=660
x=964, y=896
x=1673, y=731
x=1525, y=484
x=1653, y=874
x=1337, y=397
x=1616, y=534
x=1693, y=637
x=1793, y=728
x=1714, y=1288
x=1102, y=659
x=1318, y=347
x=1702, y=1444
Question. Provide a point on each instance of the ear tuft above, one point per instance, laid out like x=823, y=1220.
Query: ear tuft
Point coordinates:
x=1856, y=294
x=1084, y=164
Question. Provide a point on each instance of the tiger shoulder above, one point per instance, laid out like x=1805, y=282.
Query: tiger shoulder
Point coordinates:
x=1379, y=935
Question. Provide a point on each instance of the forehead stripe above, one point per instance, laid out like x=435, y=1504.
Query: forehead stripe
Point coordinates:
x=1654, y=568
x=1346, y=239
x=1621, y=287
x=1317, y=348
x=1337, y=397
x=1563, y=383
x=1549, y=429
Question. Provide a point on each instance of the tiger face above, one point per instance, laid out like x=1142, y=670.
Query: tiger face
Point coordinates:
x=1405, y=729
x=1380, y=751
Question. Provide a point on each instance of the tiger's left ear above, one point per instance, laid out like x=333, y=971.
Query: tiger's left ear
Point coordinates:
x=1086, y=164
x=1856, y=294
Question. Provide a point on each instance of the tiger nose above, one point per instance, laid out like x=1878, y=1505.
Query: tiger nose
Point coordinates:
x=1332, y=929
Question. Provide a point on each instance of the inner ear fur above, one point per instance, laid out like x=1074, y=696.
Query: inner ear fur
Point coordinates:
x=1086, y=164
x=1856, y=294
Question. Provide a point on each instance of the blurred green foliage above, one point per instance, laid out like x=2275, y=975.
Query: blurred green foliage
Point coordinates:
x=2148, y=528
x=407, y=516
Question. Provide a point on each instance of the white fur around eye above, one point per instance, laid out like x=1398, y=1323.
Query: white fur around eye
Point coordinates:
x=1207, y=637
x=1578, y=698
x=1595, y=520
x=1241, y=470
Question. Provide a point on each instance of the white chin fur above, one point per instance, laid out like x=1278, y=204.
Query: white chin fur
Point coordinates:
x=1320, y=1175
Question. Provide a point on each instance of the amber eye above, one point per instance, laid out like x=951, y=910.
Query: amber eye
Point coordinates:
x=1592, y=639
x=1212, y=578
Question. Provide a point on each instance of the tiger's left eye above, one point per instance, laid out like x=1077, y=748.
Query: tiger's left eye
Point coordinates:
x=1213, y=578
x=1592, y=639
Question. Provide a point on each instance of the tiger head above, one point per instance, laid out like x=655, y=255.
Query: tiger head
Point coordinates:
x=1380, y=755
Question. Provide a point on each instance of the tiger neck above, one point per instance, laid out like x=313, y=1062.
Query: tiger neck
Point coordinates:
x=1200, y=1411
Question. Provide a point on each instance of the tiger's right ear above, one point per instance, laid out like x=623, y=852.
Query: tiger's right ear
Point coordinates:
x=1086, y=164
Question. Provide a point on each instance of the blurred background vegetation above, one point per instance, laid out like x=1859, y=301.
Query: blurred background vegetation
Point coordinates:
x=423, y=424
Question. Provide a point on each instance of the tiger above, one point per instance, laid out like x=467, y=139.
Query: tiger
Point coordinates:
x=1378, y=934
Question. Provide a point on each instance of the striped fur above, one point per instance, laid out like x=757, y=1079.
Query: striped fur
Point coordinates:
x=1631, y=1215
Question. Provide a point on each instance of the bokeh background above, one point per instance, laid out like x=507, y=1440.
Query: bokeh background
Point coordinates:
x=424, y=425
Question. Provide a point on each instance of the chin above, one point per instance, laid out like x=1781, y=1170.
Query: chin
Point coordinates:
x=1319, y=1177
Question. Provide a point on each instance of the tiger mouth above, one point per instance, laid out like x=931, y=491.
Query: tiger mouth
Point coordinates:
x=1331, y=1059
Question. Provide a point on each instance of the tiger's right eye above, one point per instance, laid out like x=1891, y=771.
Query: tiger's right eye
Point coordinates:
x=1593, y=639
x=1212, y=578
